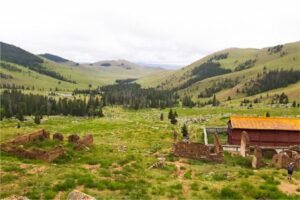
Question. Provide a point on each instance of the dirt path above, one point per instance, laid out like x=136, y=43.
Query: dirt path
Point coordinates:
x=290, y=187
x=180, y=174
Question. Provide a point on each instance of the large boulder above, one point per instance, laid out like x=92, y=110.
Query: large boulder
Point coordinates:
x=76, y=195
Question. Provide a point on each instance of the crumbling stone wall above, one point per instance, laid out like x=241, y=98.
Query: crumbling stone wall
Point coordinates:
x=86, y=141
x=58, y=137
x=196, y=151
x=16, y=148
x=192, y=150
x=73, y=138
x=47, y=156
x=282, y=159
x=38, y=135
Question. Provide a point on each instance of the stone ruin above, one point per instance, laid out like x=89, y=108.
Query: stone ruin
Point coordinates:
x=73, y=138
x=257, y=161
x=15, y=146
x=282, y=159
x=245, y=141
x=199, y=151
x=58, y=137
x=84, y=143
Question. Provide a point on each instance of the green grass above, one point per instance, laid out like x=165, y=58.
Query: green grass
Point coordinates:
x=105, y=172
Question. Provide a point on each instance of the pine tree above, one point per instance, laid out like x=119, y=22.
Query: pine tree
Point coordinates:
x=161, y=117
x=215, y=102
x=268, y=114
x=18, y=125
x=294, y=104
x=184, y=131
x=175, y=114
x=37, y=119
x=170, y=115
x=173, y=120
x=228, y=98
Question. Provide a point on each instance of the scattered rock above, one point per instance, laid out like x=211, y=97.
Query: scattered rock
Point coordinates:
x=122, y=148
x=16, y=197
x=76, y=195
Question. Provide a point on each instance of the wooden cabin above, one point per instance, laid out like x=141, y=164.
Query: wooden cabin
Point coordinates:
x=265, y=131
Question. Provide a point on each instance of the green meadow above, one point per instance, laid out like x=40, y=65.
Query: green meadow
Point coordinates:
x=126, y=144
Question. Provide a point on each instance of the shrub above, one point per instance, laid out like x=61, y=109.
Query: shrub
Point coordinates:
x=188, y=175
x=49, y=194
x=12, y=168
x=194, y=186
x=170, y=168
x=228, y=193
x=177, y=186
x=66, y=185
x=237, y=160
x=33, y=194
x=204, y=188
x=219, y=176
x=87, y=181
x=7, y=178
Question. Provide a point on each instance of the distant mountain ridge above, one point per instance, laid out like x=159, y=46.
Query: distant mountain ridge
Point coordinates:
x=54, y=58
x=230, y=72
x=48, y=71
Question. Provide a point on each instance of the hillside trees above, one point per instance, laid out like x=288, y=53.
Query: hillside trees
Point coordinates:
x=203, y=71
x=16, y=104
x=272, y=80
x=131, y=95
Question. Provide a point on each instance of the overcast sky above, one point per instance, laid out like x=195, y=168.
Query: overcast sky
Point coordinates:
x=151, y=31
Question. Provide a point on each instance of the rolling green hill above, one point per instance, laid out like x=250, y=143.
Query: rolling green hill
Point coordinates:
x=50, y=71
x=245, y=65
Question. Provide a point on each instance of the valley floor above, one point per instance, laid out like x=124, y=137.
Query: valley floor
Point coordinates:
x=126, y=144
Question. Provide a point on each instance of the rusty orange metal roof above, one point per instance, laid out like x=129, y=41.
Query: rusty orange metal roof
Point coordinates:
x=265, y=123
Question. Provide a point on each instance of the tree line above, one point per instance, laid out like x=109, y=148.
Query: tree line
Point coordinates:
x=14, y=103
x=271, y=80
x=131, y=95
x=218, y=86
x=203, y=71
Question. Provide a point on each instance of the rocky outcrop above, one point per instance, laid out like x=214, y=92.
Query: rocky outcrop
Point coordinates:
x=76, y=195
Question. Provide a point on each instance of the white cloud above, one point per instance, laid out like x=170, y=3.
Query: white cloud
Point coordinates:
x=156, y=31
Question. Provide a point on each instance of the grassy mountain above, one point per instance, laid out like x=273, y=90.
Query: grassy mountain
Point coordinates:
x=239, y=66
x=54, y=58
x=23, y=68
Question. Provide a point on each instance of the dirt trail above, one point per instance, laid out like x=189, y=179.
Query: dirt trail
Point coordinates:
x=180, y=173
x=290, y=187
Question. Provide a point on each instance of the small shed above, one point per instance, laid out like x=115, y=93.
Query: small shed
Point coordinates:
x=265, y=131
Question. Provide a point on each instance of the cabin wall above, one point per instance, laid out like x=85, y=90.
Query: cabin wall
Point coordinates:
x=265, y=137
